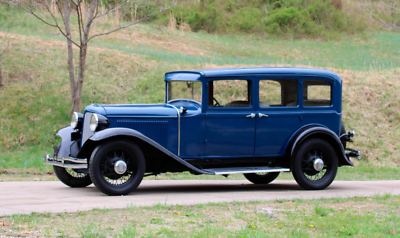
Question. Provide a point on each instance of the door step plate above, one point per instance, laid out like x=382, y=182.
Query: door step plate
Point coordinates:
x=246, y=170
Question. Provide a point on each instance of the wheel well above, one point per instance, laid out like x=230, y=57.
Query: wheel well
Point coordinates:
x=156, y=160
x=327, y=138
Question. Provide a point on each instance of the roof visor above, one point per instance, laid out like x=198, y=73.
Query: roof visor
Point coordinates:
x=189, y=76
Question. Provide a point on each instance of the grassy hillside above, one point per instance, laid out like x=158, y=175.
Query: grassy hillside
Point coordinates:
x=128, y=67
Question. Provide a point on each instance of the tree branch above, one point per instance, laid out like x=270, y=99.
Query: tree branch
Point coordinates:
x=80, y=23
x=5, y=50
x=30, y=11
x=109, y=11
x=374, y=12
x=133, y=23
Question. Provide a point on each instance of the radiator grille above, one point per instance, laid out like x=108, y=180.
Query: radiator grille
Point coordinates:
x=87, y=133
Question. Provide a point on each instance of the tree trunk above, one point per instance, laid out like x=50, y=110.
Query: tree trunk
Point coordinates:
x=77, y=102
x=77, y=99
x=66, y=19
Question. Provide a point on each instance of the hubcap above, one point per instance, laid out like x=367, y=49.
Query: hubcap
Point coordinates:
x=318, y=164
x=120, y=167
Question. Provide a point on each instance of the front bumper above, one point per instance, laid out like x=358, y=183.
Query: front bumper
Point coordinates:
x=66, y=162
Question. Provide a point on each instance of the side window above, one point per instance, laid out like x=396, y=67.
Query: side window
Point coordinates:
x=278, y=93
x=317, y=93
x=229, y=93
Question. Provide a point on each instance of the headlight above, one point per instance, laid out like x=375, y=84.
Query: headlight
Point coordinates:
x=94, y=122
x=98, y=122
x=76, y=120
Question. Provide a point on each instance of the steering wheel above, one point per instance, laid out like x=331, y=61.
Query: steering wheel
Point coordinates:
x=216, y=102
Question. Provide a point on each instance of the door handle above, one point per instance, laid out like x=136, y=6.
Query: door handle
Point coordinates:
x=262, y=115
x=251, y=115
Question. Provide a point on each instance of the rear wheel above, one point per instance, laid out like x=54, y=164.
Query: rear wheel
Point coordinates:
x=262, y=178
x=72, y=177
x=117, y=167
x=315, y=164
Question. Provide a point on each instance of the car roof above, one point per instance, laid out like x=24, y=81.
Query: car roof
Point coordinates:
x=226, y=72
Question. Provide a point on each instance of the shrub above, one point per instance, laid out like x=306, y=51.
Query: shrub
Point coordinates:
x=291, y=18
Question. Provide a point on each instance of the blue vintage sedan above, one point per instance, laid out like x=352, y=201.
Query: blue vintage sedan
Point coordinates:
x=254, y=121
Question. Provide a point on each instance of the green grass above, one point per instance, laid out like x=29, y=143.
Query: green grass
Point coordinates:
x=128, y=67
x=376, y=216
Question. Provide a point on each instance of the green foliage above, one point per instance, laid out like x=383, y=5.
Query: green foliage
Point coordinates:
x=318, y=18
x=298, y=19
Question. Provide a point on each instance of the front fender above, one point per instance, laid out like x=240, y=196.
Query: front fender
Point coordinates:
x=64, y=149
x=127, y=132
x=322, y=132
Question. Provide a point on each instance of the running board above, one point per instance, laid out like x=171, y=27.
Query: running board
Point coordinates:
x=246, y=170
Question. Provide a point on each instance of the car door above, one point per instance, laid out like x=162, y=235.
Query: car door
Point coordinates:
x=278, y=115
x=230, y=119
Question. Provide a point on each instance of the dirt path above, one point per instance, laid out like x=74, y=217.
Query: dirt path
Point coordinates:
x=27, y=197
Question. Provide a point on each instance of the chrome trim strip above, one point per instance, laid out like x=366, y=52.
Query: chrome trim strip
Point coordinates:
x=179, y=127
x=60, y=162
x=219, y=171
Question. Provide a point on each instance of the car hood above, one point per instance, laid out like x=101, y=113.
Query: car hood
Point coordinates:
x=136, y=111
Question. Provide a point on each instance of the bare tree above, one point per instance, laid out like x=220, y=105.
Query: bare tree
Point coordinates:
x=88, y=14
x=384, y=12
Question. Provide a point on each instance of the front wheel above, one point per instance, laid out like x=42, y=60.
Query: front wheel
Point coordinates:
x=117, y=167
x=262, y=178
x=315, y=164
x=72, y=177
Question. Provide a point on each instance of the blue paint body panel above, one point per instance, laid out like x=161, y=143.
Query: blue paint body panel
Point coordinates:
x=205, y=132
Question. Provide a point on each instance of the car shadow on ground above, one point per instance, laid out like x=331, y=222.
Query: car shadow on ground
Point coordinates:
x=219, y=188
x=187, y=188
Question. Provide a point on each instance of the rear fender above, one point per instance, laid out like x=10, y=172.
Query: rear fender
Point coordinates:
x=326, y=134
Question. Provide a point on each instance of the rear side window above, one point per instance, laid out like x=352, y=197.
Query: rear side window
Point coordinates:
x=278, y=93
x=317, y=93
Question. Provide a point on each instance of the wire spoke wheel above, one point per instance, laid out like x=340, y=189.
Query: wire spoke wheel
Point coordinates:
x=108, y=167
x=315, y=164
x=308, y=165
x=76, y=174
x=72, y=177
x=117, y=167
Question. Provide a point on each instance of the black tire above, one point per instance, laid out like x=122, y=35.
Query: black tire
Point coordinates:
x=72, y=178
x=262, y=178
x=102, y=172
x=303, y=169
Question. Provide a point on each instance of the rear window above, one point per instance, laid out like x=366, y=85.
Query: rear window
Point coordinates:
x=278, y=93
x=317, y=93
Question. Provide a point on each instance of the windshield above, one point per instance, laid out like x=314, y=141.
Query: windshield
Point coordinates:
x=184, y=90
